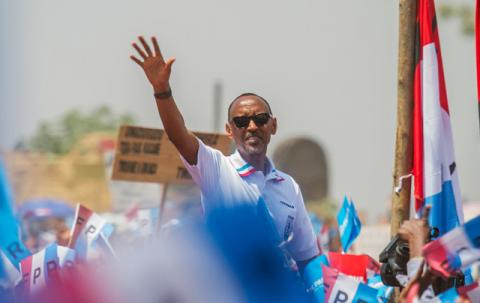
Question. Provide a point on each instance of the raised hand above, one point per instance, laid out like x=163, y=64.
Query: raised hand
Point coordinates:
x=416, y=232
x=155, y=67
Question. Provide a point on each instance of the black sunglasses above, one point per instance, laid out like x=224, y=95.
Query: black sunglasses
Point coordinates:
x=258, y=119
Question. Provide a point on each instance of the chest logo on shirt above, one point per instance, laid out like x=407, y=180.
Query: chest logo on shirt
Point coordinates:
x=288, y=228
x=287, y=204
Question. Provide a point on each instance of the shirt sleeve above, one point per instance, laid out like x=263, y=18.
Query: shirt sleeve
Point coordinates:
x=206, y=172
x=304, y=244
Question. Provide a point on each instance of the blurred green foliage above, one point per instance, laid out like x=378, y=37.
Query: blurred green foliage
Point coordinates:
x=464, y=12
x=58, y=137
x=325, y=209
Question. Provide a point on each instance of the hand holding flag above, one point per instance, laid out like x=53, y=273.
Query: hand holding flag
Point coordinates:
x=416, y=233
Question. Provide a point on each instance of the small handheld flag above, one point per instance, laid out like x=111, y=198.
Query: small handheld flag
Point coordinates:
x=455, y=250
x=349, y=224
x=87, y=228
x=361, y=267
x=471, y=292
x=9, y=274
x=313, y=277
x=343, y=288
x=43, y=269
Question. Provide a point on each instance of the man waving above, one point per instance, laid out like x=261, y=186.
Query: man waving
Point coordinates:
x=247, y=175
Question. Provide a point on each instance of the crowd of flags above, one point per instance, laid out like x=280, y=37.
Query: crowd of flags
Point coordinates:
x=340, y=277
x=88, y=242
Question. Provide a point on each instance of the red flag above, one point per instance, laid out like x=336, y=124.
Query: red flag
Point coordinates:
x=427, y=33
x=359, y=266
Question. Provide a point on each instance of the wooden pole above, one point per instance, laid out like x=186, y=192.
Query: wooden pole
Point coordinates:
x=404, y=137
x=161, y=208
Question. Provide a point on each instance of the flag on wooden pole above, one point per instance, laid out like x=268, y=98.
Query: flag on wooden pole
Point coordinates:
x=434, y=169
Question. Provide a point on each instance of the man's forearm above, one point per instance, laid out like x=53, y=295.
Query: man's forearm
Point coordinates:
x=172, y=120
x=175, y=127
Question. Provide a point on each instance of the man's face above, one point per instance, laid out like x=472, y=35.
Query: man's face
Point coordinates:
x=251, y=139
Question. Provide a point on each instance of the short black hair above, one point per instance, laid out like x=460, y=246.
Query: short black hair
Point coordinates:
x=251, y=95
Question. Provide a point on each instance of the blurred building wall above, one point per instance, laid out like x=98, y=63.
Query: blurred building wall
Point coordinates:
x=77, y=177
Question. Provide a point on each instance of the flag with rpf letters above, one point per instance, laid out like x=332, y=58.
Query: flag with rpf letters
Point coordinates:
x=43, y=268
x=343, y=288
x=88, y=227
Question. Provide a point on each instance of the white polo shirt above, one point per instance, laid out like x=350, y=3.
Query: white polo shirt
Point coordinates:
x=228, y=181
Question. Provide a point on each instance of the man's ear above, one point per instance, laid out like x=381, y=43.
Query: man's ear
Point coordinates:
x=228, y=129
x=274, y=121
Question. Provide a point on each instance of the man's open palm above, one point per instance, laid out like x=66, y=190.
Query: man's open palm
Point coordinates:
x=155, y=67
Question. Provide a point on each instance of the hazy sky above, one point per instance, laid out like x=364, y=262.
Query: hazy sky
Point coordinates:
x=327, y=67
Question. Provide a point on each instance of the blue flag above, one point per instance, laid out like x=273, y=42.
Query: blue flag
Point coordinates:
x=313, y=277
x=349, y=224
x=10, y=242
x=384, y=292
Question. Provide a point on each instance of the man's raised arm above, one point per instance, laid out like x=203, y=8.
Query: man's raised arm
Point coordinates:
x=158, y=72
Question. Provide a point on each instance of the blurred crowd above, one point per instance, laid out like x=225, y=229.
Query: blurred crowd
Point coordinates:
x=230, y=256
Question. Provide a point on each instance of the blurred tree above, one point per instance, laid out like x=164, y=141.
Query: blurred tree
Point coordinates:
x=59, y=136
x=464, y=12
x=325, y=209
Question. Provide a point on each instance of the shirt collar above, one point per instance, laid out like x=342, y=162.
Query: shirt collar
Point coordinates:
x=245, y=169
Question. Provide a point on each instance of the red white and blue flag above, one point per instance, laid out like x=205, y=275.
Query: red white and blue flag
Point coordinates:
x=88, y=230
x=143, y=221
x=455, y=250
x=470, y=292
x=44, y=267
x=434, y=169
x=343, y=288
